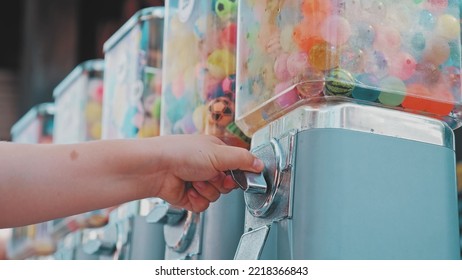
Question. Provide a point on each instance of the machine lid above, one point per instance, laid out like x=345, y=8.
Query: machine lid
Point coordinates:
x=141, y=15
x=38, y=110
x=90, y=66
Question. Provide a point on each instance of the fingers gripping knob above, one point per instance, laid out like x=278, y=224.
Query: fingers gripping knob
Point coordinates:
x=250, y=182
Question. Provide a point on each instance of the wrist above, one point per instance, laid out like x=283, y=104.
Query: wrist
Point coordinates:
x=144, y=163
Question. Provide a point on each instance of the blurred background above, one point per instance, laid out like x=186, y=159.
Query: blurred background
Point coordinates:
x=43, y=40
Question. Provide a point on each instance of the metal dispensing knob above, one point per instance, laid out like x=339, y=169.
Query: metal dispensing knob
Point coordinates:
x=99, y=247
x=180, y=225
x=104, y=244
x=262, y=191
x=250, y=182
x=165, y=214
x=267, y=195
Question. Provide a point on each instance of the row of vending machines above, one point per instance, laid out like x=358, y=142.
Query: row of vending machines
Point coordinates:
x=351, y=104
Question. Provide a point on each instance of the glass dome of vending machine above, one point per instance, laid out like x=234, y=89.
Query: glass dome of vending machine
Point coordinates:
x=351, y=104
x=198, y=95
x=78, y=113
x=36, y=126
x=131, y=109
x=33, y=241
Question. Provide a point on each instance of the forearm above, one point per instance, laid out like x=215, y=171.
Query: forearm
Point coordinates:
x=43, y=182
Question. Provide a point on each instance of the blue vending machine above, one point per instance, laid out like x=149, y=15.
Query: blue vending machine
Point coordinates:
x=33, y=241
x=78, y=113
x=352, y=106
x=131, y=109
x=198, y=97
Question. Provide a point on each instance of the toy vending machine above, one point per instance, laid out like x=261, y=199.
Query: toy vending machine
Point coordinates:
x=459, y=198
x=36, y=126
x=132, y=83
x=33, y=241
x=78, y=106
x=198, y=96
x=351, y=104
x=78, y=103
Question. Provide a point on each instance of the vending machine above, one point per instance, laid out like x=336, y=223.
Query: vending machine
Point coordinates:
x=198, y=97
x=351, y=105
x=459, y=198
x=78, y=102
x=33, y=241
x=78, y=114
x=131, y=109
x=36, y=126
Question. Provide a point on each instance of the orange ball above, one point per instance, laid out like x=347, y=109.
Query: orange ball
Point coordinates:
x=305, y=41
x=443, y=101
x=438, y=100
x=416, y=97
x=308, y=32
x=309, y=7
x=323, y=56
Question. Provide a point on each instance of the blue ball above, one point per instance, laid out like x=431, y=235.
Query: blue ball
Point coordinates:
x=366, y=88
x=426, y=19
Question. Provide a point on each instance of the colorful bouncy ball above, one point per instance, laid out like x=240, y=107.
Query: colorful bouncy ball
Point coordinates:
x=339, y=82
x=225, y=9
x=221, y=111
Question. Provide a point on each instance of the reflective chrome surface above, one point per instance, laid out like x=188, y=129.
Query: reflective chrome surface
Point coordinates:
x=363, y=118
x=180, y=240
x=249, y=182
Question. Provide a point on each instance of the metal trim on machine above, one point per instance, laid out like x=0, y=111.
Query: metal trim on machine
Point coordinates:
x=341, y=114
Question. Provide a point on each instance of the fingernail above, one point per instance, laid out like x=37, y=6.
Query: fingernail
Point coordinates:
x=258, y=164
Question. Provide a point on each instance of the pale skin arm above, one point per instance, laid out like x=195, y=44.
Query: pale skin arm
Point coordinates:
x=44, y=182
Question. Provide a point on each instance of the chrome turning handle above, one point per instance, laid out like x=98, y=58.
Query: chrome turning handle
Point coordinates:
x=165, y=214
x=250, y=182
x=99, y=247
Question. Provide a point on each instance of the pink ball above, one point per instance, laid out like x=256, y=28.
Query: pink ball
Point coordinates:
x=387, y=39
x=437, y=6
x=228, y=35
x=280, y=67
x=229, y=85
x=297, y=63
x=336, y=30
x=287, y=94
x=98, y=93
x=403, y=66
x=436, y=50
x=178, y=87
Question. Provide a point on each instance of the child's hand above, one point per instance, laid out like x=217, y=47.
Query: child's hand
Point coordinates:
x=200, y=160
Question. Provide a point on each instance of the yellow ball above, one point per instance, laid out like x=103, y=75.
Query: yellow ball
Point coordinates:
x=93, y=111
x=199, y=117
x=95, y=131
x=448, y=26
x=221, y=63
x=150, y=128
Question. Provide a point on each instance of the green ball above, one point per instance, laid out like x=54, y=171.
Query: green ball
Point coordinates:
x=392, y=91
x=339, y=82
x=155, y=109
x=226, y=9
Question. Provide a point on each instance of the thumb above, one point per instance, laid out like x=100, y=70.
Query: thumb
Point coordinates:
x=231, y=158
